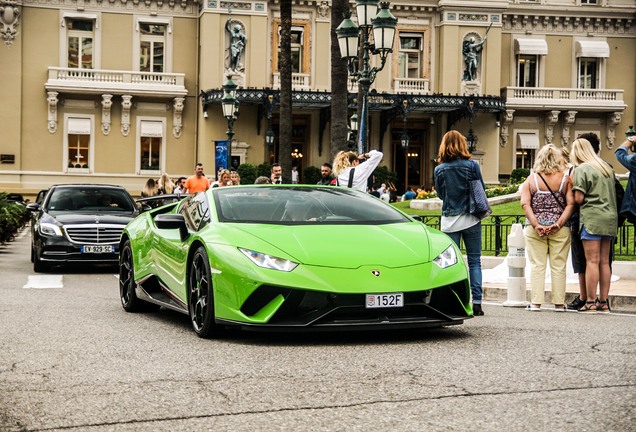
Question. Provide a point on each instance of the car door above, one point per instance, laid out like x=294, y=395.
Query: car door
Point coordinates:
x=171, y=251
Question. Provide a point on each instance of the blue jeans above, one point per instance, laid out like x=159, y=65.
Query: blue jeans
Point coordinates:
x=472, y=241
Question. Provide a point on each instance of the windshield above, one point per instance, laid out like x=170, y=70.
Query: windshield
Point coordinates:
x=301, y=206
x=90, y=199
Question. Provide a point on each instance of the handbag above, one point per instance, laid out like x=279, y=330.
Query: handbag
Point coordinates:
x=477, y=201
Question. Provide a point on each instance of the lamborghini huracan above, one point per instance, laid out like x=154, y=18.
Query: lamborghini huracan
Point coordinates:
x=291, y=258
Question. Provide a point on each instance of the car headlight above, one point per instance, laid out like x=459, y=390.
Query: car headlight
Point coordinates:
x=268, y=261
x=49, y=229
x=446, y=258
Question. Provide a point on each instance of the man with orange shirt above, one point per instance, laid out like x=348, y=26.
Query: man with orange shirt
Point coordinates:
x=198, y=182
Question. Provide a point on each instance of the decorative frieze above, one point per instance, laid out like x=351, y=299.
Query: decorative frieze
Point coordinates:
x=107, y=103
x=551, y=118
x=567, y=24
x=177, y=116
x=613, y=120
x=126, y=104
x=570, y=117
x=9, y=17
x=507, y=121
x=52, y=100
x=172, y=7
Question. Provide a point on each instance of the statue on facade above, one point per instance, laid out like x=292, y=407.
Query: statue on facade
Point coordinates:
x=472, y=52
x=238, y=39
x=471, y=49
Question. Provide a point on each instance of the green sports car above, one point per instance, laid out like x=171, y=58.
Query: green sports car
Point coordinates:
x=292, y=258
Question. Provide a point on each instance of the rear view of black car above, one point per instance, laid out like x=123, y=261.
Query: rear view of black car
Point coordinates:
x=79, y=224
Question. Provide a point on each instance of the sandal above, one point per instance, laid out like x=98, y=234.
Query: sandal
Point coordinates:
x=602, y=307
x=559, y=308
x=588, y=307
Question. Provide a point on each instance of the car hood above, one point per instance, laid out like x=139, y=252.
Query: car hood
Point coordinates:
x=347, y=246
x=90, y=218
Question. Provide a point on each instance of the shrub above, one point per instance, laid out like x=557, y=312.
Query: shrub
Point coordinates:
x=311, y=175
x=13, y=216
x=265, y=169
x=518, y=175
x=248, y=173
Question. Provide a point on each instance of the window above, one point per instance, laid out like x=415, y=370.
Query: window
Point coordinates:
x=588, y=2
x=528, y=52
x=527, y=70
x=152, y=47
x=297, y=48
x=527, y=143
x=79, y=40
x=78, y=143
x=588, y=73
x=300, y=48
x=410, y=56
x=151, y=145
x=152, y=44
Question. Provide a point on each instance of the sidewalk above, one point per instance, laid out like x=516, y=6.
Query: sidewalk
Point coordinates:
x=622, y=293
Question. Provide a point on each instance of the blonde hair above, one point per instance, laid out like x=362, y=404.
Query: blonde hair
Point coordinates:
x=221, y=174
x=342, y=161
x=236, y=175
x=583, y=152
x=166, y=184
x=549, y=160
x=453, y=146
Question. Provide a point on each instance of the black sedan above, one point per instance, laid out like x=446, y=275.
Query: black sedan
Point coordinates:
x=79, y=224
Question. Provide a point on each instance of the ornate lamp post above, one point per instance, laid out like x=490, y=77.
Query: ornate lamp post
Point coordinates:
x=471, y=139
x=230, y=106
x=382, y=23
x=269, y=135
x=353, y=130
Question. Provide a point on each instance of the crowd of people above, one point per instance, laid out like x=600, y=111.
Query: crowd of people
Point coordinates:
x=569, y=201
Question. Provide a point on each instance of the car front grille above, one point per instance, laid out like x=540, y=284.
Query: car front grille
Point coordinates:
x=94, y=233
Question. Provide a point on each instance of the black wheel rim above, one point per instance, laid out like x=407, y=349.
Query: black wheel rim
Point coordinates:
x=125, y=275
x=199, y=291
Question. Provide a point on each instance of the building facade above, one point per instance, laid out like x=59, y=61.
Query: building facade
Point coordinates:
x=117, y=91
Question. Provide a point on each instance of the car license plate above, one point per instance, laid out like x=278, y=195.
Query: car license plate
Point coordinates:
x=98, y=249
x=385, y=300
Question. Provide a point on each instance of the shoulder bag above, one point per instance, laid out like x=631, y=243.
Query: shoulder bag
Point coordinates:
x=477, y=201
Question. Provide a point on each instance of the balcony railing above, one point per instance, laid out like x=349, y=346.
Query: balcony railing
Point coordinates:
x=99, y=81
x=564, y=98
x=299, y=81
x=411, y=85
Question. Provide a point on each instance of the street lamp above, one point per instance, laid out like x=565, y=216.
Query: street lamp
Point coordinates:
x=382, y=23
x=471, y=139
x=404, y=138
x=269, y=135
x=353, y=130
x=230, y=106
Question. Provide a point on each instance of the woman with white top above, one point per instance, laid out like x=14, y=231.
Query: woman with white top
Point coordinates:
x=362, y=166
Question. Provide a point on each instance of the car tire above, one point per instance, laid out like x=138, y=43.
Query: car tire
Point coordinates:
x=201, y=295
x=38, y=265
x=127, y=295
x=32, y=253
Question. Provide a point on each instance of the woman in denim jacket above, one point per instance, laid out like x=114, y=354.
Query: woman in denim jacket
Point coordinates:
x=452, y=179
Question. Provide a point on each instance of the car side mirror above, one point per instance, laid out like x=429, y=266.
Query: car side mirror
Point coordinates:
x=171, y=222
x=34, y=207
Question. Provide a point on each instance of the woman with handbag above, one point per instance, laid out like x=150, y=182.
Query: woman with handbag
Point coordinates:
x=548, y=202
x=453, y=177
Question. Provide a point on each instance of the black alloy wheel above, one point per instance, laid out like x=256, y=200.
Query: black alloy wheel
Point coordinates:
x=201, y=295
x=129, y=299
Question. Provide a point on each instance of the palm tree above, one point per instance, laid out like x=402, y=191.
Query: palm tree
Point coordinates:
x=285, y=71
x=339, y=84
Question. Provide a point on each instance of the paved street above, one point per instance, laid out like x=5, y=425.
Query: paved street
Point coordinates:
x=72, y=359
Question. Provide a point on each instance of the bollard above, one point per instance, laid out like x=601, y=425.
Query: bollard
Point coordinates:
x=516, y=261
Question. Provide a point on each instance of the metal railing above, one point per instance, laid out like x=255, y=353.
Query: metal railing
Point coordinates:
x=495, y=230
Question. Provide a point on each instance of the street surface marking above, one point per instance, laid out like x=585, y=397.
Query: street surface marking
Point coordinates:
x=44, y=282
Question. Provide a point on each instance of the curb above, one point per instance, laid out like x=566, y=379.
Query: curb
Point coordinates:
x=618, y=303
